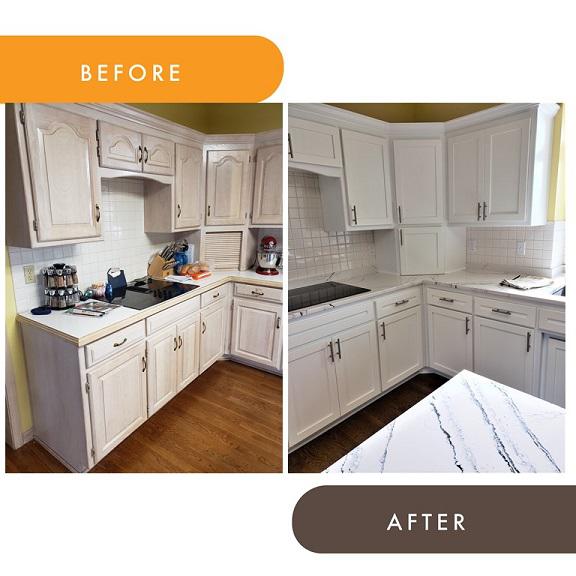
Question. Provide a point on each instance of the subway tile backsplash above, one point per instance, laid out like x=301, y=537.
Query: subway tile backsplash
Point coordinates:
x=312, y=250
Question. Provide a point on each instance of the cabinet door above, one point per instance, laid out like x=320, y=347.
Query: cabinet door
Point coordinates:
x=506, y=172
x=504, y=352
x=188, y=350
x=422, y=250
x=62, y=151
x=226, y=186
x=553, y=380
x=267, y=202
x=119, y=147
x=465, y=178
x=401, y=353
x=158, y=155
x=357, y=369
x=212, y=334
x=419, y=178
x=162, y=354
x=257, y=331
x=188, y=187
x=450, y=341
x=367, y=174
x=314, y=143
x=312, y=390
x=117, y=395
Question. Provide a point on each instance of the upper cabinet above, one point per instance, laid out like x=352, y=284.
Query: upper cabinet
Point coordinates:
x=313, y=143
x=419, y=179
x=188, y=188
x=126, y=149
x=267, y=200
x=52, y=185
x=227, y=186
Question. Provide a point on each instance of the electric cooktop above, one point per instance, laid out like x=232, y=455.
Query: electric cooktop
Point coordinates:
x=145, y=292
x=320, y=294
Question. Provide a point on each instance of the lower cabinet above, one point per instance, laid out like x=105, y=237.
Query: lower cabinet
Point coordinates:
x=401, y=346
x=257, y=332
x=504, y=352
x=450, y=341
x=553, y=373
x=212, y=333
x=188, y=350
x=117, y=396
x=162, y=355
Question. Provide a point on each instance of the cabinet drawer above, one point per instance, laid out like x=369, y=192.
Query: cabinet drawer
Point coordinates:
x=510, y=312
x=552, y=320
x=117, y=342
x=450, y=300
x=214, y=295
x=392, y=303
x=258, y=292
x=171, y=315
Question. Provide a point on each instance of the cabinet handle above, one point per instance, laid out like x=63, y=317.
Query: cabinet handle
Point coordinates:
x=384, y=330
x=257, y=293
x=278, y=323
x=139, y=154
x=290, y=151
x=145, y=155
x=203, y=327
x=216, y=295
x=208, y=209
x=401, y=238
x=528, y=338
x=331, y=346
x=339, y=349
x=116, y=344
x=143, y=363
x=467, y=324
x=179, y=342
x=179, y=210
x=400, y=214
x=97, y=213
x=444, y=299
x=400, y=302
x=354, y=214
x=479, y=211
x=501, y=311
x=175, y=343
x=484, y=208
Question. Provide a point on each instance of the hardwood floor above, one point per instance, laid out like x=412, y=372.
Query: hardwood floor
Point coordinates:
x=228, y=420
x=318, y=454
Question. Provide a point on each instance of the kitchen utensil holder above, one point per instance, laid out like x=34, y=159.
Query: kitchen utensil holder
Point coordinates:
x=156, y=267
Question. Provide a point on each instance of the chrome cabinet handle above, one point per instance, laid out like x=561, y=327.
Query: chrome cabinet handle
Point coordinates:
x=484, y=208
x=179, y=211
x=257, y=293
x=339, y=349
x=97, y=213
x=290, y=151
x=384, y=330
x=479, y=211
x=354, y=214
x=400, y=214
x=180, y=342
x=501, y=311
x=143, y=363
x=145, y=155
x=467, y=324
x=203, y=327
x=528, y=337
x=175, y=343
x=400, y=302
x=331, y=346
x=444, y=299
x=116, y=344
x=139, y=154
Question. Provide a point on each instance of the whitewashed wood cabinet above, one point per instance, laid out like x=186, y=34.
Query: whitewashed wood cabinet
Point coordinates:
x=267, y=199
x=422, y=250
x=117, y=396
x=419, y=181
x=227, y=186
x=314, y=143
x=553, y=370
x=158, y=155
x=212, y=334
x=188, y=203
x=162, y=357
x=188, y=334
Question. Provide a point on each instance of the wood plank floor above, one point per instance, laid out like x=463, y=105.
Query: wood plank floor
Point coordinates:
x=228, y=420
x=318, y=454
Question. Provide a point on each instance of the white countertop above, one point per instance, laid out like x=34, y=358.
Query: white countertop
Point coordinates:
x=470, y=424
x=472, y=280
x=82, y=330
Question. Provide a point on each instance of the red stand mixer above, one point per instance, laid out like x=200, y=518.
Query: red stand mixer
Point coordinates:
x=268, y=256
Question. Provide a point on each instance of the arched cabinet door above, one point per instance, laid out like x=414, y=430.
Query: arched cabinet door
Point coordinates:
x=157, y=155
x=188, y=187
x=120, y=148
x=267, y=203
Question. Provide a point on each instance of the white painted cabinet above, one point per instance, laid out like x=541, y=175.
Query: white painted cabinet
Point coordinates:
x=212, y=334
x=419, y=181
x=62, y=156
x=188, y=334
x=313, y=143
x=367, y=177
x=422, y=250
x=401, y=346
x=227, y=185
x=553, y=372
x=312, y=389
x=267, y=200
x=117, y=396
x=257, y=332
x=162, y=356
x=450, y=340
x=504, y=352
x=188, y=188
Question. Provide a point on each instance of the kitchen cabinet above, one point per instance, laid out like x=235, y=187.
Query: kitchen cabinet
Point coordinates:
x=227, y=183
x=504, y=352
x=188, y=334
x=553, y=372
x=419, y=180
x=53, y=186
x=314, y=143
x=267, y=200
x=212, y=334
x=367, y=178
x=257, y=332
x=312, y=389
x=188, y=190
x=450, y=340
x=401, y=346
x=162, y=357
x=117, y=396
x=157, y=155
x=422, y=250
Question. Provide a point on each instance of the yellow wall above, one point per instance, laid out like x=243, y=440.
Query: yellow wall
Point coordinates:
x=557, y=195
x=220, y=118
x=16, y=351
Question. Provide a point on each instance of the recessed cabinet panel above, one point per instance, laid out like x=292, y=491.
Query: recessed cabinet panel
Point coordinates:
x=188, y=350
x=120, y=147
x=422, y=250
x=162, y=354
x=158, y=155
x=188, y=187
x=267, y=202
x=314, y=143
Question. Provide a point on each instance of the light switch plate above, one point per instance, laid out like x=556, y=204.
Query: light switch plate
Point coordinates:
x=521, y=248
x=29, y=274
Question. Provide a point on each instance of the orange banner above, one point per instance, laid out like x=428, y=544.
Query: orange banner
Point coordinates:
x=138, y=68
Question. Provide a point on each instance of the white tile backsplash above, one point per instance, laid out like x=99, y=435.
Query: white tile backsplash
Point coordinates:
x=125, y=245
x=312, y=250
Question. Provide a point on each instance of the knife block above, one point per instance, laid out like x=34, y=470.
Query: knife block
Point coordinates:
x=156, y=268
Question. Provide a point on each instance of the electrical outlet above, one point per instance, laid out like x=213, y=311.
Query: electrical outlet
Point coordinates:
x=521, y=248
x=29, y=274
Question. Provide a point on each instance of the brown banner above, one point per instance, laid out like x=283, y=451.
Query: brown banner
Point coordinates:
x=443, y=519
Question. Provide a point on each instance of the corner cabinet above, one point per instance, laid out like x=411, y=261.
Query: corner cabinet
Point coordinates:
x=53, y=188
x=422, y=250
x=267, y=200
x=212, y=334
x=188, y=206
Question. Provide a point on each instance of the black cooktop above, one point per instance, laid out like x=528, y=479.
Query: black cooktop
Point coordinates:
x=145, y=292
x=320, y=294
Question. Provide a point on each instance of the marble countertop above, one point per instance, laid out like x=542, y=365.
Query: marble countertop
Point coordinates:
x=470, y=424
x=82, y=330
